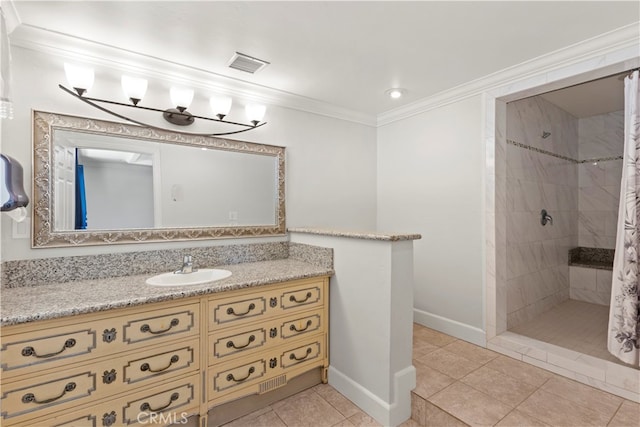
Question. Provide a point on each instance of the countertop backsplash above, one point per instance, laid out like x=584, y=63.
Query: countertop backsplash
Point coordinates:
x=43, y=271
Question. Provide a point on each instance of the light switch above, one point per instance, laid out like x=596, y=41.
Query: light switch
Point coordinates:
x=21, y=229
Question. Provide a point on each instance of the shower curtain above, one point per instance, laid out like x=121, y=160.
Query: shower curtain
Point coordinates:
x=624, y=314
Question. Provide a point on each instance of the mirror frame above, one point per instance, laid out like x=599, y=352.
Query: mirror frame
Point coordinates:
x=43, y=234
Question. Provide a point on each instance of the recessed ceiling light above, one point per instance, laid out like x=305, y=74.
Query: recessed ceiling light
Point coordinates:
x=396, y=92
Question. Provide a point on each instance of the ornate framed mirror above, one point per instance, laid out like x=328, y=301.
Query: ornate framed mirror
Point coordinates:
x=97, y=182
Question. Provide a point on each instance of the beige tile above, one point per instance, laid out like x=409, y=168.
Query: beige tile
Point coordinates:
x=471, y=351
x=307, y=409
x=584, y=395
x=506, y=389
x=420, y=349
x=343, y=423
x=518, y=419
x=425, y=335
x=627, y=416
x=260, y=418
x=300, y=395
x=363, y=420
x=411, y=423
x=436, y=417
x=429, y=381
x=558, y=411
x=418, y=409
x=449, y=363
x=470, y=405
x=335, y=399
x=520, y=370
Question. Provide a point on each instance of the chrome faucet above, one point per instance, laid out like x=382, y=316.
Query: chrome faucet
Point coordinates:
x=187, y=266
x=545, y=217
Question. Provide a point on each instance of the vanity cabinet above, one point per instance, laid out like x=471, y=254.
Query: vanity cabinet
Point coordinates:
x=63, y=364
x=256, y=341
x=161, y=363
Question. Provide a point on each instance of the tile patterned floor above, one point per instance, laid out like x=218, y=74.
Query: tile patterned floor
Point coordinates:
x=460, y=384
x=576, y=325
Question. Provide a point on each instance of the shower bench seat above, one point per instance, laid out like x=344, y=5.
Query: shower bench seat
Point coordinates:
x=590, y=274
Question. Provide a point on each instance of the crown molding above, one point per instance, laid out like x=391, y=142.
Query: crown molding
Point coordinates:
x=11, y=17
x=619, y=39
x=97, y=54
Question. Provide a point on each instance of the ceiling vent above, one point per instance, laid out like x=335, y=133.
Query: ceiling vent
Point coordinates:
x=247, y=63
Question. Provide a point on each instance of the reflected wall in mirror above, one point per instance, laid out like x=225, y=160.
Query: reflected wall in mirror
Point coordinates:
x=99, y=182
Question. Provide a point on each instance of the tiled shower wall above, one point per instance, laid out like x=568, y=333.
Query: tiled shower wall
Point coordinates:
x=600, y=148
x=541, y=174
x=601, y=141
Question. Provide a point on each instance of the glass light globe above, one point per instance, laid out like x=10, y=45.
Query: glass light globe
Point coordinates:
x=80, y=78
x=134, y=88
x=255, y=113
x=181, y=98
x=221, y=105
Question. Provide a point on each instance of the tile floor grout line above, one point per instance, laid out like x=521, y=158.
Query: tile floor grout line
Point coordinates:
x=443, y=410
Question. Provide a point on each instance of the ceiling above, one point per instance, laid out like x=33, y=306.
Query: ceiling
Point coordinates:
x=592, y=98
x=345, y=54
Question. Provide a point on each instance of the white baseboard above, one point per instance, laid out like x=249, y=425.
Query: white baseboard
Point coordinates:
x=387, y=414
x=451, y=327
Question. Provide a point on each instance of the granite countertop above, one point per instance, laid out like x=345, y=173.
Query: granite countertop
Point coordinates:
x=598, y=258
x=368, y=235
x=21, y=305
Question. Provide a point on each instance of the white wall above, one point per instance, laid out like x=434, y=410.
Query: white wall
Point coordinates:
x=119, y=195
x=330, y=163
x=202, y=188
x=430, y=181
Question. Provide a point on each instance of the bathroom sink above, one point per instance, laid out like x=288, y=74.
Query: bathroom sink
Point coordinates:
x=202, y=275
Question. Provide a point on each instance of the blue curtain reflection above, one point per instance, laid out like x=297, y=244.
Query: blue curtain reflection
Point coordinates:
x=81, y=199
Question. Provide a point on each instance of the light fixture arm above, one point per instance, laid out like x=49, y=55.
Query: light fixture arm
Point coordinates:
x=93, y=102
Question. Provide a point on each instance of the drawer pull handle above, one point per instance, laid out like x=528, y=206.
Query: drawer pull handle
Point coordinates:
x=146, y=367
x=31, y=398
x=30, y=351
x=293, y=298
x=230, y=377
x=230, y=344
x=292, y=356
x=147, y=328
x=146, y=407
x=251, y=307
x=293, y=327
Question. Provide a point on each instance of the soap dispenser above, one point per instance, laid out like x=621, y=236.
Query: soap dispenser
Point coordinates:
x=13, y=198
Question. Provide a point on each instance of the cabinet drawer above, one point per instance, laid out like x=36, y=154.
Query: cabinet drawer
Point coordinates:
x=48, y=394
x=263, y=373
x=101, y=378
x=239, y=376
x=257, y=337
x=180, y=321
x=259, y=305
x=45, y=347
x=31, y=352
x=162, y=362
x=169, y=403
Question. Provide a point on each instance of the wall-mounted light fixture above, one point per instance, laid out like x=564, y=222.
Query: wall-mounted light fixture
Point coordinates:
x=81, y=79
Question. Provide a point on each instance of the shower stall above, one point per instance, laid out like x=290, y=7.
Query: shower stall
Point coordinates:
x=562, y=191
